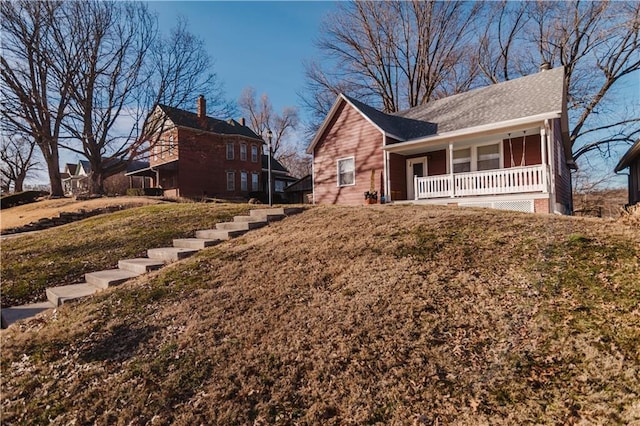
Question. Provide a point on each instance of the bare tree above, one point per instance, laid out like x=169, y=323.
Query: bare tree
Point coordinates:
x=18, y=159
x=596, y=42
x=394, y=54
x=84, y=76
x=35, y=94
x=262, y=118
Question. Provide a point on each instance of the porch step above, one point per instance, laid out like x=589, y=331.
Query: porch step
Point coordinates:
x=219, y=234
x=59, y=295
x=140, y=265
x=15, y=313
x=170, y=254
x=241, y=226
x=194, y=243
x=104, y=279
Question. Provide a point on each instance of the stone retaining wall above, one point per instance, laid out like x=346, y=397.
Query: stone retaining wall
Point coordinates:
x=62, y=219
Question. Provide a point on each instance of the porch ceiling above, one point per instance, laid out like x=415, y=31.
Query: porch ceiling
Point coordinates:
x=418, y=147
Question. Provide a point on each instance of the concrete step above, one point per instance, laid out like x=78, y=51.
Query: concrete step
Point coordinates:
x=281, y=211
x=15, y=313
x=259, y=218
x=140, y=265
x=59, y=295
x=218, y=234
x=170, y=254
x=104, y=279
x=241, y=226
x=195, y=243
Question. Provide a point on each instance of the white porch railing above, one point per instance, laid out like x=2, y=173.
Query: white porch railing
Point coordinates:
x=490, y=182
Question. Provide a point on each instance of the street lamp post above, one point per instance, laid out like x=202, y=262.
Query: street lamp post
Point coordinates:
x=269, y=136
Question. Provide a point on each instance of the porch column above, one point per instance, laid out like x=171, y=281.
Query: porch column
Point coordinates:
x=543, y=150
x=452, y=182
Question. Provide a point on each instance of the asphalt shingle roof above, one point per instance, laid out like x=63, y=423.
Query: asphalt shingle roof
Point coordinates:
x=535, y=94
x=404, y=128
x=276, y=166
x=189, y=119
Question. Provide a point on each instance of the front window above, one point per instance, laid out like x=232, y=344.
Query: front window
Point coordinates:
x=230, y=151
x=254, y=154
x=243, y=181
x=462, y=160
x=346, y=172
x=254, y=182
x=280, y=184
x=231, y=181
x=243, y=152
x=489, y=157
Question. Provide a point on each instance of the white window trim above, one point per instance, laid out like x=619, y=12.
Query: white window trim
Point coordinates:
x=244, y=181
x=233, y=182
x=243, y=150
x=338, y=172
x=474, y=155
x=233, y=151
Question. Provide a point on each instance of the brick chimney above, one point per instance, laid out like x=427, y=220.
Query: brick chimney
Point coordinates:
x=202, y=107
x=545, y=66
x=242, y=122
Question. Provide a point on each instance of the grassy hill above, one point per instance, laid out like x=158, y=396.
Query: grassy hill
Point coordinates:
x=389, y=315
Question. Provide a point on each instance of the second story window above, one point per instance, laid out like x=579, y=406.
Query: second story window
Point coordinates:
x=229, y=150
x=171, y=146
x=243, y=152
x=254, y=154
x=155, y=152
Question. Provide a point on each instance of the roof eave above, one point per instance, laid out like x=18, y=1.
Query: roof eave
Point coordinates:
x=330, y=115
x=456, y=134
x=628, y=157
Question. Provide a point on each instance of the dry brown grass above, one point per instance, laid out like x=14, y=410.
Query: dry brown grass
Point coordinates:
x=27, y=213
x=387, y=315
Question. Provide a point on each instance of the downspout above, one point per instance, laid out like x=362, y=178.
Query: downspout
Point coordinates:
x=385, y=168
x=550, y=149
x=313, y=178
x=452, y=182
x=545, y=161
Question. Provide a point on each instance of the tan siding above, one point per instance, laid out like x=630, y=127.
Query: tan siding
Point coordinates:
x=348, y=135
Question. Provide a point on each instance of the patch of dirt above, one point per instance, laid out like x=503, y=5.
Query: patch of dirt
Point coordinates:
x=27, y=213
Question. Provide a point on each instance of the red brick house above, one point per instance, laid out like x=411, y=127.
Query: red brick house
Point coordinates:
x=503, y=146
x=631, y=159
x=197, y=156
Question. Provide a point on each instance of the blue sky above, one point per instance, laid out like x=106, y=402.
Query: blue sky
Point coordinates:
x=259, y=44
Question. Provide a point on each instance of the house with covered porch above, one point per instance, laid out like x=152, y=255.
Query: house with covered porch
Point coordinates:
x=503, y=146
